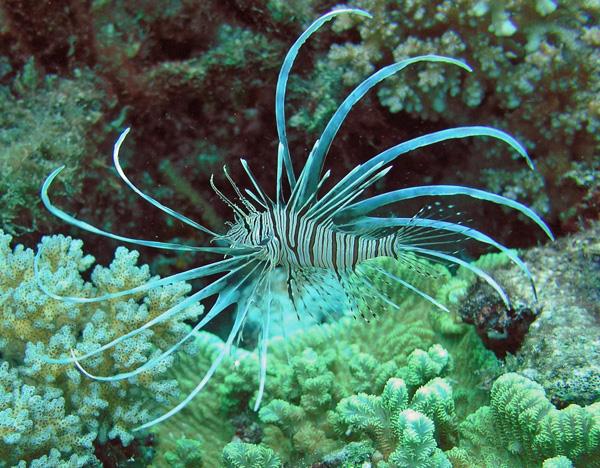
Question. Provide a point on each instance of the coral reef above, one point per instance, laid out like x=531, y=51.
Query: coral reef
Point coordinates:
x=311, y=371
x=241, y=455
x=536, y=69
x=522, y=428
x=51, y=410
x=413, y=422
x=196, y=79
x=345, y=392
x=403, y=433
x=348, y=393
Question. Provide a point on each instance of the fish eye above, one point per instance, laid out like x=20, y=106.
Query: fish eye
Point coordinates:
x=265, y=240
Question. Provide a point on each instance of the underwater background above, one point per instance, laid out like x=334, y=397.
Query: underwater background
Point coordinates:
x=477, y=387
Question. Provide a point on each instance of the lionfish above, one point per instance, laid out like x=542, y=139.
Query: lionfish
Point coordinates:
x=308, y=233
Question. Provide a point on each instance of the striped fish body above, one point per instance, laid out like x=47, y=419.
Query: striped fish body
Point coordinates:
x=303, y=242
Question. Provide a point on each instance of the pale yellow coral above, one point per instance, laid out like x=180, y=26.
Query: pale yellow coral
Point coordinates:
x=34, y=326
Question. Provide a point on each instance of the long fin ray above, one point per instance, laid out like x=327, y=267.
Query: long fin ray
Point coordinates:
x=226, y=297
x=284, y=73
x=452, y=259
x=194, y=273
x=316, y=164
x=146, y=243
x=410, y=287
x=380, y=295
x=205, y=292
x=392, y=153
x=239, y=320
x=218, y=307
x=278, y=191
x=370, y=204
x=259, y=190
x=263, y=347
x=148, y=198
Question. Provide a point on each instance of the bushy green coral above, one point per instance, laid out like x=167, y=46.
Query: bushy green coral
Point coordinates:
x=49, y=406
x=44, y=123
x=416, y=445
x=557, y=462
x=301, y=418
x=187, y=454
x=522, y=427
x=530, y=424
x=335, y=393
x=312, y=370
x=403, y=432
x=241, y=455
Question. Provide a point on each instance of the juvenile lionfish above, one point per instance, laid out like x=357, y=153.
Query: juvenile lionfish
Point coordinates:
x=308, y=232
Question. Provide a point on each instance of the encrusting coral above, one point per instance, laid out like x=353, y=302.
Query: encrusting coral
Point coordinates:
x=568, y=326
x=53, y=410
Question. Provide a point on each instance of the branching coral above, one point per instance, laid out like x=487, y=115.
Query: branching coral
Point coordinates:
x=187, y=454
x=535, y=71
x=403, y=433
x=521, y=427
x=311, y=371
x=241, y=455
x=336, y=392
x=49, y=406
x=34, y=421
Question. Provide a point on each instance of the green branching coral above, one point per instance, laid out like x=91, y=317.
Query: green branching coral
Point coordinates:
x=311, y=371
x=301, y=418
x=241, y=455
x=402, y=432
x=557, y=462
x=416, y=445
x=345, y=393
x=529, y=423
x=522, y=427
x=187, y=454
x=48, y=406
